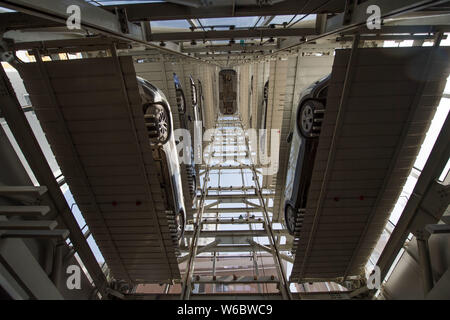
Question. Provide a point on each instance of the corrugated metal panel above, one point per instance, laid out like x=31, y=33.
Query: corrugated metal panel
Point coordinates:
x=104, y=154
x=392, y=96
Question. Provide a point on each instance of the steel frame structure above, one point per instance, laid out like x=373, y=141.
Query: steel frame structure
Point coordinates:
x=121, y=21
x=106, y=22
x=230, y=129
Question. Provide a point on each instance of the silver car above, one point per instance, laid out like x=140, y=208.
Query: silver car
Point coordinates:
x=158, y=120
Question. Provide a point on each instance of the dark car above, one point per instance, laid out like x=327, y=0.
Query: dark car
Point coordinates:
x=227, y=91
x=158, y=120
x=304, y=139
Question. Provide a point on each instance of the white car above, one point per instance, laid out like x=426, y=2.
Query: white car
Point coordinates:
x=158, y=120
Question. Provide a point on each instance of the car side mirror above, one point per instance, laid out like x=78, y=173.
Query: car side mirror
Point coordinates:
x=289, y=137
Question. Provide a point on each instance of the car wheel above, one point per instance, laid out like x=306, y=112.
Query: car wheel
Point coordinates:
x=157, y=121
x=310, y=118
x=290, y=217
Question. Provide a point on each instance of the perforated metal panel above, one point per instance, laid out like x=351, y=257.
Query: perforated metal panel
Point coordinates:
x=90, y=110
x=392, y=96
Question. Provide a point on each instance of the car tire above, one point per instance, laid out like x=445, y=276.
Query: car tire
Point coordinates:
x=290, y=217
x=158, y=123
x=310, y=118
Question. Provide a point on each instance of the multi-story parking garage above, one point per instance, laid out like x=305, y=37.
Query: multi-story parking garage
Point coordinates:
x=284, y=149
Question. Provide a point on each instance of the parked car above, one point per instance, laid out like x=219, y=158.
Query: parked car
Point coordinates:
x=197, y=130
x=181, y=100
x=263, y=136
x=304, y=139
x=159, y=124
x=265, y=103
x=201, y=104
x=227, y=91
x=185, y=123
x=196, y=112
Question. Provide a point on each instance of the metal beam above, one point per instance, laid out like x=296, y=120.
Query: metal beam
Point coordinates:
x=170, y=11
x=234, y=210
x=93, y=18
x=236, y=279
x=395, y=37
x=425, y=261
x=233, y=248
x=270, y=250
x=209, y=246
x=233, y=34
x=235, y=54
x=25, y=211
x=235, y=198
x=413, y=218
x=28, y=225
x=267, y=20
x=228, y=189
x=60, y=234
x=389, y=8
x=203, y=296
x=357, y=22
x=230, y=167
x=236, y=233
x=232, y=221
x=20, y=191
x=438, y=228
x=192, y=22
x=19, y=20
x=231, y=47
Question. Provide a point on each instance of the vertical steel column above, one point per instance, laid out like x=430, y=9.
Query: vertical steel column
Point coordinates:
x=254, y=255
x=425, y=262
x=284, y=285
x=187, y=279
x=215, y=257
